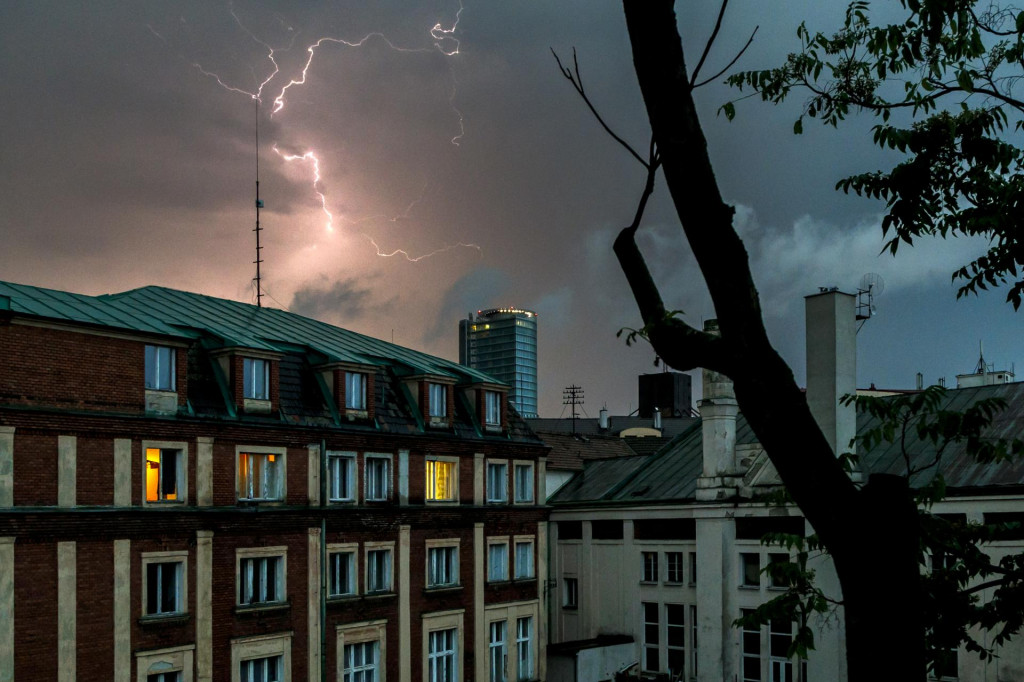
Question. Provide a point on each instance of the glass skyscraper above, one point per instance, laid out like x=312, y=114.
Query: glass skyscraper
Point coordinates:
x=503, y=343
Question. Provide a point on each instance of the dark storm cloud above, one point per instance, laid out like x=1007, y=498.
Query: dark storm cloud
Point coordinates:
x=331, y=300
x=483, y=287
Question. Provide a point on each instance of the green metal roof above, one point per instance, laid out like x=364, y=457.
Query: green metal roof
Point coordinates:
x=170, y=312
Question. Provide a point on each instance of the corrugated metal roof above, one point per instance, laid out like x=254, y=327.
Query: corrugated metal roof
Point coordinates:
x=671, y=474
x=170, y=312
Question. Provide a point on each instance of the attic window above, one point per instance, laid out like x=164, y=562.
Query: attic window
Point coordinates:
x=159, y=368
x=438, y=397
x=256, y=382
x=355, y=391
x=492, y=408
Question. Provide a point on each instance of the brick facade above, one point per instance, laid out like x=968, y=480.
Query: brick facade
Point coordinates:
x=76, y=402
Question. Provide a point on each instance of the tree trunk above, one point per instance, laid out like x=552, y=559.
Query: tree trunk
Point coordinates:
x=872, y=533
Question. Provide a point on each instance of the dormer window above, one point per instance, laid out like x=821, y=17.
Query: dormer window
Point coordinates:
x=438, y=397
x=492, y=408
x=355, y=390
x=256, y=381
x=159, y=368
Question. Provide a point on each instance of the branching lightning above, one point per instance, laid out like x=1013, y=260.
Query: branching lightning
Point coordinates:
x=445, y=42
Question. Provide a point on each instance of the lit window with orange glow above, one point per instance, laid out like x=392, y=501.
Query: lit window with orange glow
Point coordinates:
x=162, y=474
x=441, y=481
x=259, y=476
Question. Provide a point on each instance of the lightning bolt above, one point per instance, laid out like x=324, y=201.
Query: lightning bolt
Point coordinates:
x=444, y=41
x=311, y=157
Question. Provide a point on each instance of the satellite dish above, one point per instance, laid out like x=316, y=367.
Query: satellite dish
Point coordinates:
x=872, y=282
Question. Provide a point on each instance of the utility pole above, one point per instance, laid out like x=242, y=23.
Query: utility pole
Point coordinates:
x=573, y=395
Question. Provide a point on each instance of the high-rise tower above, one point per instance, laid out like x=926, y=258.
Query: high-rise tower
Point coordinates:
x=503, y=343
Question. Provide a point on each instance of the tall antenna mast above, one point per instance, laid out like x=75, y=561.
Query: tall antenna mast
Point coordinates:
x=259, y=205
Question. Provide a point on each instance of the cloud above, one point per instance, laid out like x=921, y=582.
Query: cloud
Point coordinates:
x=324, y=300
x=480, y=288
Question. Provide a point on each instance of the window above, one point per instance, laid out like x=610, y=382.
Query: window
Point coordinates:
x=164, y=585
x=341, y=476
x=570, y=593
x=750, y=565
x=442, y=664
x=171, y=664
x=261, y=670
x=442, y=480
x=776, y=570
x=693, y=568
x=693, y=640
x=497, y=482
x=378, y=570
x=650, y=565
x=524, y=647
x=164, y=677
x=438, y=399
x=159, y=368
x=377, y=478
x=751, y=650
x=362, y=661
x=260, y=475
x=260, y=580
x=256, y=379
x=675, y=635
x=442, y=566
x=355, y=391
x=524, y=483
x=492, y=408
x=341, y=574
x=780, y=636
x=497, y=652
x=497, y=562
x=651, y=657
x=674, y=565
x=164, y=474
x=524, y=559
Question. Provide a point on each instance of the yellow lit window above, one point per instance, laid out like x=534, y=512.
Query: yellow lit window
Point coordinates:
x=440, y=480
x=162, y=474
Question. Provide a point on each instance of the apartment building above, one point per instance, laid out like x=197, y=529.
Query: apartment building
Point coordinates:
x=193, y=488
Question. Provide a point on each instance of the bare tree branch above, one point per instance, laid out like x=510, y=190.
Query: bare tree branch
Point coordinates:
x=711, y=41
x=730, y=64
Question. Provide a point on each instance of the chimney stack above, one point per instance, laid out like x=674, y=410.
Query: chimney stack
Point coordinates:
x=832, y=364
x=718, y=410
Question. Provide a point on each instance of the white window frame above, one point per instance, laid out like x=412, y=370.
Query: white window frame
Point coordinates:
x=683, y=633
x=649, y=646
x=492, y=542
x=251, y=367
x=747, y=581
x=525, y=648
x=370, y=587
x=570, y=592
x=364, y=632
x=367, y=478
x=497, y=494
x=492, y=409
x=258, y=647
x=649, y=562
x=181, y=473
x=523, y=496
x=437, y=400
x=677, y=565
x=356, y=384
x=168, y=661
x=692, y=576
x=750, y=635
x=352, y=550
x=530, y=541
x=497, y=651
x=278, y=553
x=774, y=557
x=245, y=486
x=430, y=487
x=345, y=460
x=434, y=661
x=162, y=360
x=178, y=558
x=445, y=551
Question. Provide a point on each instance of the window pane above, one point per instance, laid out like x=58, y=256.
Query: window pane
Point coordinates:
x=497, y=484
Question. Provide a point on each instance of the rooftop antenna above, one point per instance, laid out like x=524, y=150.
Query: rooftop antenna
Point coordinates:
x=573, y=395
x=259, y=205
x=871, y=285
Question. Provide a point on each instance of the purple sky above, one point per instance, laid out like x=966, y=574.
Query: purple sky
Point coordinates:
x=460, y=173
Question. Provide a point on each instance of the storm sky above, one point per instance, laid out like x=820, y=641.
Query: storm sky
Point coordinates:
x=460, y=172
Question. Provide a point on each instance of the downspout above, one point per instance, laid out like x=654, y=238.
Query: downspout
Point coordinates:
x=323, y=560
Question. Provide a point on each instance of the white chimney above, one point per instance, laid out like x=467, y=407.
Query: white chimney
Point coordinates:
x=832, y=364
x=602, y=418
x=657, y=418
x=718, y=411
